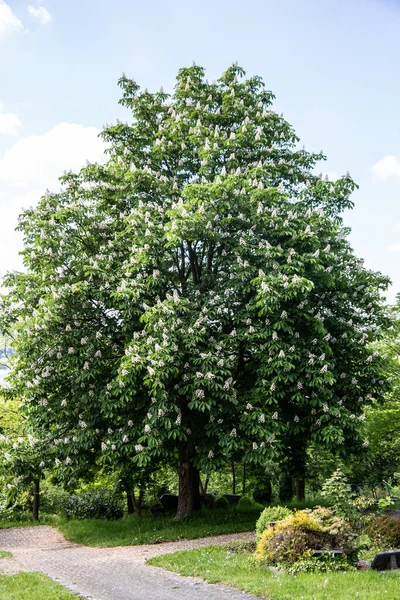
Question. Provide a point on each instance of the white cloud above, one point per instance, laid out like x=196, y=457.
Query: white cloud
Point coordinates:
x=30, y=166
x=41, y=13
x=9, y=122
x=394, y=247
x=38, y=160
x=387, y=167
x=8, y=20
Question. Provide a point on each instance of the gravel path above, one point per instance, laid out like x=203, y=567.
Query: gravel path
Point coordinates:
x=111, y=573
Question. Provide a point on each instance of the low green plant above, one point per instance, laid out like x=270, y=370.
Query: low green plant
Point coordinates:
x=384, y=532
x=339, y=494
x=245, y=503
x=271, y=513
x=96, y=504
x=221, y=502
x=53, y=498
x=241, y=546
x=324, y=563
x=4, y=554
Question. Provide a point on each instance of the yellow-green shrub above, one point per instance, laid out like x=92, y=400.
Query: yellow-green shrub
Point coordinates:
x=299, y=534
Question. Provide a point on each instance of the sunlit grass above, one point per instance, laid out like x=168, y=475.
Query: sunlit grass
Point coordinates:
x=32, y=586
x=215, y=564
x=149, y=530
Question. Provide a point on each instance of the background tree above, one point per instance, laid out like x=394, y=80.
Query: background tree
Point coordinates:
x=383, y=417
x=196, y=298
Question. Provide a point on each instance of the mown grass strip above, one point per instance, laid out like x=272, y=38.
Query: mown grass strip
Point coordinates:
x=32, y=586
x=132, y=530
x=217, y=565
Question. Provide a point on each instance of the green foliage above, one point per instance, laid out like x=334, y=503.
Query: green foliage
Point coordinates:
x=383, y=417
x=245, y=502
x=96, y=504
x=385, y=532
x=270, y=514
x=221, y=502
x=53, y=498
x=323, y=564
x=309, y=502
x=198, y=290
x=241, y=546
x=339, y=494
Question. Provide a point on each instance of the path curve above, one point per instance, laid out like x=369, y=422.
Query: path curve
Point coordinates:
x=117, y=573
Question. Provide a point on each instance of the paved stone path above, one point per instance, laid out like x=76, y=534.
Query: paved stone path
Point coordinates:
x=110, y=573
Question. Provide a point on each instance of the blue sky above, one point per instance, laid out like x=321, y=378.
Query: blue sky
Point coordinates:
x=333, y=66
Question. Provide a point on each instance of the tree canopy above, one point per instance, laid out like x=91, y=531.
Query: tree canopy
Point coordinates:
x=196, y=296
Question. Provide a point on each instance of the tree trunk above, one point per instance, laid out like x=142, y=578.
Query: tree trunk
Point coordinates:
x=130, y=502
x=285, y=488
x=189, y=483
x=233, y=479
x=244, y=479
x=36, y=498
x=300, y=488
x=138, y=503
x=203, y=488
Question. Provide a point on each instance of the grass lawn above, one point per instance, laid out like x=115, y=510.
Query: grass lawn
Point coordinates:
x=4, y=554
x=32, y=586
x=131, y=530
x=26, y=521
x=216, y=564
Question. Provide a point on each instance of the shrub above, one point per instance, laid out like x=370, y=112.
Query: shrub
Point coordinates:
x=245, y=503
x=96, y=504
x=271, y=513
x=339, y=494
x=385, y=532
x=52, y=498
x=208, y=500
x=322, y=564
x=263, y=493
x=221, y=502
x=302, y=532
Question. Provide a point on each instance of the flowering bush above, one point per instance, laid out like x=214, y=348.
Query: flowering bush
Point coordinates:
x=299, y=534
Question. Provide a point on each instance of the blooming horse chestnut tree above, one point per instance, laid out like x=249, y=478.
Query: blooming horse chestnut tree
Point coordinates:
x=195, y=298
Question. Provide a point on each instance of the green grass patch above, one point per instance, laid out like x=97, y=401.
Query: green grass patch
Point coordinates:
x=217, y=565
x=310, y=502
x=132, y=530
x=4, y=554
x=32, y=586
x=26, y=521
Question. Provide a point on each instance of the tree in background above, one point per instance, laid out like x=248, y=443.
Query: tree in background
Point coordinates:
x=383, y=417
x=196, y=298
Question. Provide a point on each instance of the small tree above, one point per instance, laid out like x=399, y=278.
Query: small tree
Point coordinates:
x=22, y=466
x=196, y=298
